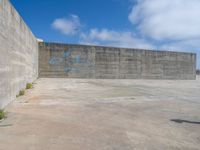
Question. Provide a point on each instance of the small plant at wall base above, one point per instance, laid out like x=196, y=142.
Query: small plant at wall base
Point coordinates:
x=21, y=93
x=2, y=114
x=29, y=86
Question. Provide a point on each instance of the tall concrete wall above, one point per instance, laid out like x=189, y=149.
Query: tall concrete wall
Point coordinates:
x=18, y=53
x=79, y=61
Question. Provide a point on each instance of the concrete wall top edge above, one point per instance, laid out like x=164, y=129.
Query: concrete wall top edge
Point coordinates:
x=112, y=47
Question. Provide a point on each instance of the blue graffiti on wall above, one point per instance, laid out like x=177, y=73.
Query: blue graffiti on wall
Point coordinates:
x=66, y=54
x=52, y=61
x=71, y=61
x=78, y=59
x=55, y=60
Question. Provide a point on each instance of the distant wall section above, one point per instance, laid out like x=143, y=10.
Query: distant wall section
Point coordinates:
x=80, y=61
x=18, y=53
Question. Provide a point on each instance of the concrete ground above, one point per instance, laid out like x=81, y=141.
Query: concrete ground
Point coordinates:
x=81, y=114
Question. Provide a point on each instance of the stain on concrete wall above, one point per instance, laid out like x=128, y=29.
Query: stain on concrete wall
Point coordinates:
x=18, y=53
x=79, y=61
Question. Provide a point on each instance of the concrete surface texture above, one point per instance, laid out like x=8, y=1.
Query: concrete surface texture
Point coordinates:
x=82, y=114
x=79, y=61
x=19, y=53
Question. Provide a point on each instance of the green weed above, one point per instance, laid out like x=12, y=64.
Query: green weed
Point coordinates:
x=29, y=86
x=2, y=114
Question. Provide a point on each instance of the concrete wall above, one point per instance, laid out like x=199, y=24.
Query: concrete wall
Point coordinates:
x=198, y=72
x=18, y=53
x=79, y=61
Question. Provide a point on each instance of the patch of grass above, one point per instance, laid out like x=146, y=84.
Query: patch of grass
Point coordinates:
x=21, y=92
x=29, y=86
x=2, y=114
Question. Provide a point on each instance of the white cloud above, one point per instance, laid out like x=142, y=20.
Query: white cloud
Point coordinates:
x=67, y=26
x=185, y=45
x=170, y=24
x=167, y=19
x=113, y=38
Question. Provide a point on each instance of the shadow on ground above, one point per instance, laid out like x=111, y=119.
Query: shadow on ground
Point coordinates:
x=184, y=121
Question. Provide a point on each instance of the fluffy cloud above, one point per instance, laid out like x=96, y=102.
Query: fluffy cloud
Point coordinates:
x=67, y=26
x=113, y=38
x=170, y=24
x=167, y=19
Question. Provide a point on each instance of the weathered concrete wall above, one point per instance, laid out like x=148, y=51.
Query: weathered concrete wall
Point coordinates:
x=79, y=61
x=18, y=53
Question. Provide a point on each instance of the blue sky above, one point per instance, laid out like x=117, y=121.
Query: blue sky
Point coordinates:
x=151, y=24
x=40, y=14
